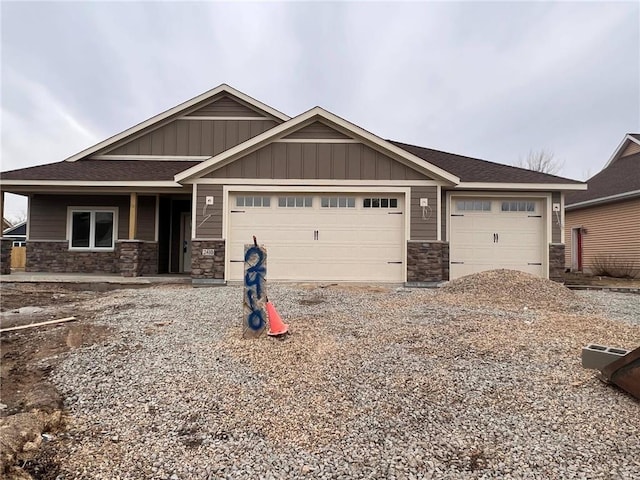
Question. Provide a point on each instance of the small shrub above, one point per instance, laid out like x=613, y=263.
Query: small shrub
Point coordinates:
x=613, y=266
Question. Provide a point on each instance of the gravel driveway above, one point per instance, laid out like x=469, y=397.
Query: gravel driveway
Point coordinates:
x=372, y=382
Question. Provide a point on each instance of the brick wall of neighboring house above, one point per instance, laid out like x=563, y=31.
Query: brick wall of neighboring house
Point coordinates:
x=556, y=261
x=427, y=261
x=5, y=256
x=207, y=266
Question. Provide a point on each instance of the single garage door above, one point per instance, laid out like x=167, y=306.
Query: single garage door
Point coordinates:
x=490, y=233
x=320, y=237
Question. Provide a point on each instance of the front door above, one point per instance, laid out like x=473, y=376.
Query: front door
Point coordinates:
x=576, y=254
x=185, y=242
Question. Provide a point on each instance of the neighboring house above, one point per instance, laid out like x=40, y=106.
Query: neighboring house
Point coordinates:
x=603, y=222
x=17, y=234
x=185, y=190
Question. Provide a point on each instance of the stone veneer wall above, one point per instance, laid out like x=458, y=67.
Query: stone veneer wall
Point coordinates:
x=6, y=244
x=56, y=257
x=210, y=267
x=138, y=258
x=556, y=261
x=427, y=261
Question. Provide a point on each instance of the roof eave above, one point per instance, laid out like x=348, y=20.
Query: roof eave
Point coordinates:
x=597, y=201
x=620, y=148
x=520, y=186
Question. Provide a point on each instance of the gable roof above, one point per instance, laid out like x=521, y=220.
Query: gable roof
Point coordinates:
x=629, y=138
x=617, y=181
x=87, y=169
x=307, y=118
x=18, y=230
x=200, y=99
x=474, y=170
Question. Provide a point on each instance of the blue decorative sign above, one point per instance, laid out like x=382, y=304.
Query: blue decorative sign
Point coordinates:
x=255, y=289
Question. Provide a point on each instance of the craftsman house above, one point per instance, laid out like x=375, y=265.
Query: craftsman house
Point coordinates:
x=602, y=224
x=185, y=190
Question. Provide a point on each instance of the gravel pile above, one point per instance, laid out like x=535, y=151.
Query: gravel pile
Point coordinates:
x=511, y=288
x=371, y=383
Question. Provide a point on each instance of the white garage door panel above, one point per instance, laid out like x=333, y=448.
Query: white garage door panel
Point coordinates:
x=352, y=244
x=519, y=244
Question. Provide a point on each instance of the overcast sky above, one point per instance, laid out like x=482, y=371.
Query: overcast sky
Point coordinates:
x=483, y=79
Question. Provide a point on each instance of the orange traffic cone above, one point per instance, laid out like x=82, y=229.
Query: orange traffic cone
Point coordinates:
x=276, y=325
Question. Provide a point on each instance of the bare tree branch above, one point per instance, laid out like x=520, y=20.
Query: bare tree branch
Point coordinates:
x=541, y=161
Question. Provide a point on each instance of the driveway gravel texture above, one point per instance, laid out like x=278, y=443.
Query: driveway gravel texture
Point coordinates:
x=478, y=379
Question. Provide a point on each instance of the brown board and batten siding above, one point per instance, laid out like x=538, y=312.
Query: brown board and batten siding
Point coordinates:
x=316, y=130
x=424, y=222
x=200, y=134
x=611, y=229
x=225, y=107
x=193, y=137
x=337, y=161
x=48, y=214
x=208, y=217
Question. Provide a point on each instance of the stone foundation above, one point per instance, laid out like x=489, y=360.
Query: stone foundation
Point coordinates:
x=556, y=262
x=427, y=262
x=55, y=257
x=138, y=258
x=207, y=266
x=5, y=255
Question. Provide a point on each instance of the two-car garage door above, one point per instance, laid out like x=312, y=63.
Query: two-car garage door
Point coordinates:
x=324, y=237
x=488, y=233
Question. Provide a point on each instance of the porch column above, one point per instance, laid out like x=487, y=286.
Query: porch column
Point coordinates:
x=5, y=244
x=133, y=216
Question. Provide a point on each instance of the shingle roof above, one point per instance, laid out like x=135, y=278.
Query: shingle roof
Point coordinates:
x=635, y=135
x=102, y=170
x=466, y=168
x=16, y=230
x=621, y=176
x=475, y=170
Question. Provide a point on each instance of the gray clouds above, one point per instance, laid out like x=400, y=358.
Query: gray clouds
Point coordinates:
x=490, y=80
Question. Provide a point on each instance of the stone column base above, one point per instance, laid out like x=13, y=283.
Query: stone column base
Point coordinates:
x=427, y=262
x=556, y=262
x=138, y=258
x=6, y=244
x=207, y=259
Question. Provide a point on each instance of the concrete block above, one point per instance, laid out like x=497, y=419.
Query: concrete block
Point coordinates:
x=599, y=356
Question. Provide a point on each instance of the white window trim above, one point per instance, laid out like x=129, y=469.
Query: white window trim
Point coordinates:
x=92, y=210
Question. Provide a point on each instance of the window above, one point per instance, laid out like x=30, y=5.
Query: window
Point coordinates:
x=297, y=201
x=338, y=202
x=92, y=229
x=473, y=205
x=253, y=201
x=17, y=243
x=519, y=206
x=380, y=203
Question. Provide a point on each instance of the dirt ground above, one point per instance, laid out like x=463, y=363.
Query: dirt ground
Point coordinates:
x=29, y=404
